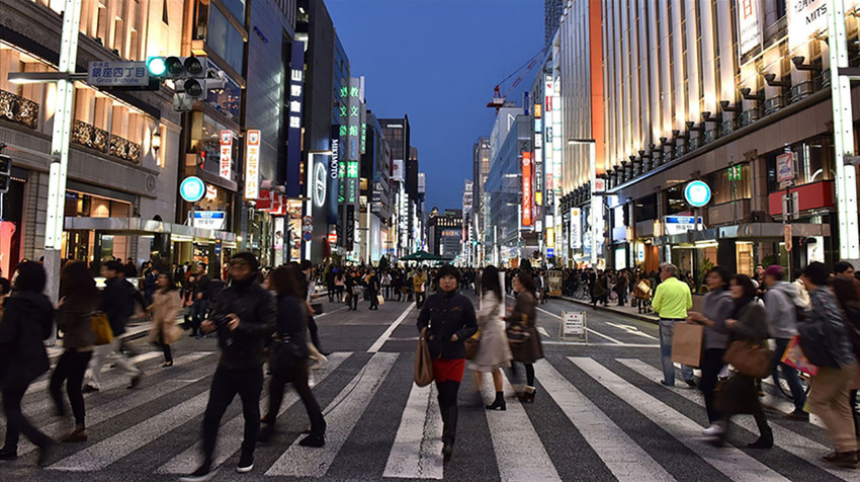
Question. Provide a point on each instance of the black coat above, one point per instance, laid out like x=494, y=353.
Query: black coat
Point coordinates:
x=28, y=320
x=118, y=303
x=447, y=314
x=255, y=307
x=291, y=323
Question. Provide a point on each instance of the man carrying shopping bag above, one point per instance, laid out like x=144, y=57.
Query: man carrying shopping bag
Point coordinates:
x=672, y=299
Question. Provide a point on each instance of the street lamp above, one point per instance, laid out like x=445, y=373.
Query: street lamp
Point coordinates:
x=596, y=198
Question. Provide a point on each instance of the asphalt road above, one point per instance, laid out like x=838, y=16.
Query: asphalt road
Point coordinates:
x=600, y=414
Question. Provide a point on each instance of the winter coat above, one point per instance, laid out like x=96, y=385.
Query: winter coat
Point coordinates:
x=28, y=320
x=524, y=313
x=257, y=312
x=780, y=300
x=825, y=309
x=74, y=319
x=718, y=307
x=493, y=350
x=291, y=324
x=751, y=324
x=446, y=314
x=117, y=304
x=165, y=308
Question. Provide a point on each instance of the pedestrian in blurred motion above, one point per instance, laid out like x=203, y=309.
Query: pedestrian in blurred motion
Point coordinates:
x=830, y=387
x=718, y=308
x=642, y=292
x=782, y=304
x=418, y=282
x=373, y=288
x=288, y=358
x=244, y=316
x=847, y=292
x=165, y=307
x=747, y=322
x=672, y=299
x=27, y=321
x=202, y=292
x=493, y=349
x=79, y=299
x=450, y=319
x=526, y=348
x=118, y=304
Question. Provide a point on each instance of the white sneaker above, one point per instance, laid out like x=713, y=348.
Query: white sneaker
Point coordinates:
x=714, y=430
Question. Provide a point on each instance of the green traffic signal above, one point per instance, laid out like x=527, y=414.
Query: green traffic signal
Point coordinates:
x=156, y=66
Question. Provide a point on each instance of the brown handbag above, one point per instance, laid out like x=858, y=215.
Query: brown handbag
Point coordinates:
x=749, y=358
x=423, y=362
x=472, y=344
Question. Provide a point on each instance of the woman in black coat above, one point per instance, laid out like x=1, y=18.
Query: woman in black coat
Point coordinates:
x=450, y=319
x=289, y=359
x=523, y=316
x=28, y=320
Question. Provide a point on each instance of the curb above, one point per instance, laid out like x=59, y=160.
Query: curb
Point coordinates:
x=635, y=316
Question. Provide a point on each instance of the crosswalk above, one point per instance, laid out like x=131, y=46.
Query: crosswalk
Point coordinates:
x=614, y=405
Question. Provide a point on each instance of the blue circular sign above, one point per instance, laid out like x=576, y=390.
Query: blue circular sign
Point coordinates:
x=697, y=194
x=307, y=236
x=192, y=189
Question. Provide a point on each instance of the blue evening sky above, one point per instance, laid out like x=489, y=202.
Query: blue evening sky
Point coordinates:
x=438, y=61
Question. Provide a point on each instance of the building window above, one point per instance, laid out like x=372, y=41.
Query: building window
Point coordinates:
x=814, y=162
x=645, y=209
x=730, y=184
x=225, y=40
x=675, y=202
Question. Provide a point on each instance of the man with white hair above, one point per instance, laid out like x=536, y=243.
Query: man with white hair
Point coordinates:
x=671, y=302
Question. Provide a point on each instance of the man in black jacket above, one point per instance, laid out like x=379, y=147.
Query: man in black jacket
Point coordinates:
x=244, y=316
x=203, y=291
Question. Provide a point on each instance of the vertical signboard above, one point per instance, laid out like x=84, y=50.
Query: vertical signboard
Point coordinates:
x=349, y=227
x=353, y=140
x=749, y=27
x=252, y=164
x=576, y=229
x=805, y=19
x=294, y=130
x=226, y=153
x=527, y=209
x=333, y=175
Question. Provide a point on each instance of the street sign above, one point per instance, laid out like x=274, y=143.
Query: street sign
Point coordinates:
x=697, y=194
x=118, y=74
x=192, y=189
x=787, y=233
x=307, y=220
x=599, y=185
x=785, y=167
x=574, y=324
x=307, y=236
x=216, y=220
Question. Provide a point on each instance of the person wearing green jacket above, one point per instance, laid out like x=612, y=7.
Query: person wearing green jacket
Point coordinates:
x=671, y=301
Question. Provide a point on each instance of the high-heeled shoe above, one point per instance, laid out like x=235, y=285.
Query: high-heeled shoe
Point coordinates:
x=498, y=403
x=167, y=364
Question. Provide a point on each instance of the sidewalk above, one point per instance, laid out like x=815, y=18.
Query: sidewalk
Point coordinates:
x=628, y=311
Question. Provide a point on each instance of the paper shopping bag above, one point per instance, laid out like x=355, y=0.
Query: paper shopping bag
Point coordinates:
x=380, y=300
x=687, y=344
x=795, y=358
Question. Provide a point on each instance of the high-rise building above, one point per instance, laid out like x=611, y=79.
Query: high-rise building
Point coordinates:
x=553, y=10
x=480, y=170
x=396, y=132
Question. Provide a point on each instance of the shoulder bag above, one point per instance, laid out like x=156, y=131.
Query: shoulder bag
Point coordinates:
x=813, y=342
x=472, y=345
x=423, y=361
x=518, y=332
x=749, y=358
x=285, y=359
x=101, y=327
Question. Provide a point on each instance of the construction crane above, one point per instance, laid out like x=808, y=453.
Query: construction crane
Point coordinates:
x=498, y=99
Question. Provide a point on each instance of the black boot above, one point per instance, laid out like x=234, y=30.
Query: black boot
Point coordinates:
x=765, y=441
x=498, y=403
x=448, y=432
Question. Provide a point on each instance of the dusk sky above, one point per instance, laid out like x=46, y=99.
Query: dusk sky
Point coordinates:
x=438, y=61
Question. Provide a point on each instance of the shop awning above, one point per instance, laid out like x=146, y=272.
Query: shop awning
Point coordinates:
x=752, y=231
x=146, y=227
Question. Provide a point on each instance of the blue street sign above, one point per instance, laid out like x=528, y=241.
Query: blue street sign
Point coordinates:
x=697, y=194
x=550, y=252
x=192, y=189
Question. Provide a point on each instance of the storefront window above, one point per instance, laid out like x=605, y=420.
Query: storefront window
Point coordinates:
x=205, y=138
x=645, y=208
x=814, y=162
x=730, y=184
x=225, y=40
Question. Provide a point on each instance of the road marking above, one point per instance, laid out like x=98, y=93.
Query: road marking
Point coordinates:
x=231, y=434
x=384, y=337
x=416, y=453
x=330, y=312
x=733, y=463
x=543, y=331
x=589, y=330
x=520, y=454
x=611, y=345
x=631, y=329
x=627, y=461
x=788, y=440
x=342, y=415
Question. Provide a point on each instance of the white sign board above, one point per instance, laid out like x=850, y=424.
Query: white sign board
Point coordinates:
x=680, y=224
x=226, y=153
x=805, y=19
x=573, y=324
x=749, y=26
x=216, y=220
x=785, y=167
x=252, y=165
x=576, y=228
x=117, y=74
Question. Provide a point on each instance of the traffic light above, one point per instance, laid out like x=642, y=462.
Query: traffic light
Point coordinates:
x=5, y=173
x=174, y=68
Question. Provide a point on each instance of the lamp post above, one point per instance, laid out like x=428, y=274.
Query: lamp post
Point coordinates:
x=596, y=198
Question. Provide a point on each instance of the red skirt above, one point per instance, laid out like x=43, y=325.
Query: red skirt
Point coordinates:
x=448, y=370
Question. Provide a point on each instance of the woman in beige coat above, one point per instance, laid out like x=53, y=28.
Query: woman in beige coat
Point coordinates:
x=493, y=350
x=165, y=307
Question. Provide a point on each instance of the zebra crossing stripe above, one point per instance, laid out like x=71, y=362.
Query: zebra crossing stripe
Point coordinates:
x=416, y=453
x=627, y=461
x=232, y=432
x=133, y=399
x=342, y=415
x=520, y=454
x=143, y=357
x=733, y=463
x=787, y=440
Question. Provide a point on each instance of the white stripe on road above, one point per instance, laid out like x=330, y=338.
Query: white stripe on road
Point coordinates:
x=101, y=455
x=133, y=399
x=342, y=415
x=788, y=440
x=631, y=329
x=520, y=454
x=329, y=312
x=627, y=461
x=543, y=332
x=143, y=357
x=384, y=337
x=232, y=432
x=601, y=345
x=613, y=340
x=416, y=453
x=733, y=463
